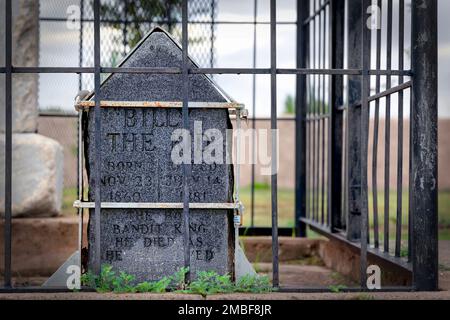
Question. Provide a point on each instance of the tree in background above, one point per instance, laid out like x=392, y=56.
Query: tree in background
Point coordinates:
x=315, y=105
x=135, y=12
x=132, y=18
x=289, y=105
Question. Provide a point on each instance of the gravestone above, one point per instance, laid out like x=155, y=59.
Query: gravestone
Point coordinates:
x=136, y=166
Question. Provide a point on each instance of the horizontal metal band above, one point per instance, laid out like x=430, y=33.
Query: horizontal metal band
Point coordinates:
x=326, y=231
x=234, y=71
x=158, y=205
x=382, y=94
x=390, y=91
x=159, y=104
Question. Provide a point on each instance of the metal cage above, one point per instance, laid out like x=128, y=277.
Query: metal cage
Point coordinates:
x=334, y=73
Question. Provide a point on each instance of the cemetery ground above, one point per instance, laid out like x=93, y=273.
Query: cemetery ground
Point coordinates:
x=287, y=270
x=306, y=270
x=310, y=269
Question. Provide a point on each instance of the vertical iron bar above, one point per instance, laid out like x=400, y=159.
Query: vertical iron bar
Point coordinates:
x=80, y=86
x=317, y=121
x=424, y=171
x=252, y=200
x=376, y=129
x=387, y=137
x=337, y=25
x=366, y=37
x=97, y=137
x=398, y=235
x=273, y=125
x=125, y=25
x=186, y=166
x=314, y=114
x=311, y=83
x=329, y=114
x=169, y=8
x=300, y=121
x=8, y=142
x=80, y=186
x=318, y=112
x=80, y=58
x=211, y=49
x=353, y=149
x=323, y=121
x=79, y=146
x=309, y=51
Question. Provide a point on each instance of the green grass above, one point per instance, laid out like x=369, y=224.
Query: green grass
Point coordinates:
x=69, y=196
x=263, y=202
x=206, y=283
x=286, y=202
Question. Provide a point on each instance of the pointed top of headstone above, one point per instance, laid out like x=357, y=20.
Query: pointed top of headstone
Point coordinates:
x=158, y=49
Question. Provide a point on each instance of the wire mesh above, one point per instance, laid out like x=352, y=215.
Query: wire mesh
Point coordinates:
x=68, y=26
x=67, y=40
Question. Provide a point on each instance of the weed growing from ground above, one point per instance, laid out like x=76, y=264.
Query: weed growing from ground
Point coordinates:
x=206, y=283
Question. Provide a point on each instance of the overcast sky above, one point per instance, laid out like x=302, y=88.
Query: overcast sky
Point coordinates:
x=59, y=46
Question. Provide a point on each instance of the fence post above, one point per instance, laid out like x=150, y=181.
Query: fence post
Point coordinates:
x=300, y=121
x=354, y=119
x=337, y=26
x=424, y=151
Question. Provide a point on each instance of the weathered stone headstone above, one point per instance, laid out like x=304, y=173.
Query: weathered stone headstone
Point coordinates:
x=37, y=172
x=136, y=166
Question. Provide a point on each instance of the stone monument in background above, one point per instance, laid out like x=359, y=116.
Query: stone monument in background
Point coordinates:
x=37, y=178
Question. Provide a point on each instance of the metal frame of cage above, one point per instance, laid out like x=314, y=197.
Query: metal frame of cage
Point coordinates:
x=423, y=229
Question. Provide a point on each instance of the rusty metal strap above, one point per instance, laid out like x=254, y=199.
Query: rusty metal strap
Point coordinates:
x=158, y=205
x=82, y=105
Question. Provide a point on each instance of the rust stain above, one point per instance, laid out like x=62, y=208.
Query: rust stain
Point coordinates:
x=158, y=104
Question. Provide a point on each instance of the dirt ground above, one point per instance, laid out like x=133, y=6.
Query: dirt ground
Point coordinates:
x=291, y=275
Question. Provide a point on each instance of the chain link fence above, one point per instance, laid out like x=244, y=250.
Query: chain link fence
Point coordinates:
x=67, y=39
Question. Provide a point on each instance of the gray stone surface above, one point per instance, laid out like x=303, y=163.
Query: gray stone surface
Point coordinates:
x=37, y=176
x=25, y=54
x=136, y=167
x=243, y=266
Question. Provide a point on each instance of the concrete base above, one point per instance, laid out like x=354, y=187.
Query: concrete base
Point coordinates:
x=259, y=249
x=40, y=245
x=345, y=260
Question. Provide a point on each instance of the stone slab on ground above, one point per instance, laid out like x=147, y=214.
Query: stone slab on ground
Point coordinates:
x=37, y=176
x=40, y=245
x=305, y=276
x=259, y=249
x=338, y=256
